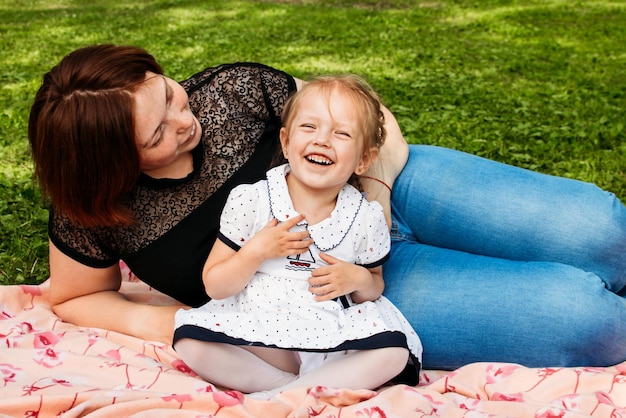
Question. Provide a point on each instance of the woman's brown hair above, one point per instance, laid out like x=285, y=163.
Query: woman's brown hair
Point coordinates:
x=81, y=132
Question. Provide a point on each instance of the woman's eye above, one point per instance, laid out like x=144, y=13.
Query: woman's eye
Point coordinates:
x=169, y=94
x=158, y=139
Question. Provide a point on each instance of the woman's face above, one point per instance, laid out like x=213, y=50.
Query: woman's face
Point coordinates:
x=165, y=129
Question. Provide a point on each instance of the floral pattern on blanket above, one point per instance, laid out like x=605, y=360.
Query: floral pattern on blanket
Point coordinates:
x=49, y=368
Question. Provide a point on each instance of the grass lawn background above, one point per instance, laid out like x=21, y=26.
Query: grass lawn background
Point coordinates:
x=537, y=84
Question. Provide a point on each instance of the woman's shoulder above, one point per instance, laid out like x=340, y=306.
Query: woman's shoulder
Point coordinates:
x=89, y=246
x=238, y=73
x=245, y=87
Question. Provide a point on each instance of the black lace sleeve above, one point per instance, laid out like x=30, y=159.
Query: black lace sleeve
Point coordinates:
x=85, y=245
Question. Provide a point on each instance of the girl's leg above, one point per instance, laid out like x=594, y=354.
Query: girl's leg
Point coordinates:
x=235, y=367
x=450, y=199
x=285, y=360
x=362, y=369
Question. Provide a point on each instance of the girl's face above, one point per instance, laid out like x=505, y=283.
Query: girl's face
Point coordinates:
x=165, y=129
x=323, y=143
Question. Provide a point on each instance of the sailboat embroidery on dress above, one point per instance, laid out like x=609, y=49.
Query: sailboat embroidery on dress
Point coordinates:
x=301, y=262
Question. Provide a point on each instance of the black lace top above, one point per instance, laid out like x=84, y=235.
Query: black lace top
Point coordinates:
x=238, y=106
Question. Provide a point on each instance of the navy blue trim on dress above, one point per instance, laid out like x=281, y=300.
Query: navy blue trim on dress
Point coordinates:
x=409, y=376
x=228, y=241
x=378, y=262
x=381, y=340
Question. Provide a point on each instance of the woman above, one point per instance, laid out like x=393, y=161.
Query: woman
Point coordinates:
x=489, y=262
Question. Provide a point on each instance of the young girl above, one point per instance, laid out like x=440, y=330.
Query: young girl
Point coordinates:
x=282, y=312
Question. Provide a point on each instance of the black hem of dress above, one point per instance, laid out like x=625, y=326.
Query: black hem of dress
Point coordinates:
x=409, y=376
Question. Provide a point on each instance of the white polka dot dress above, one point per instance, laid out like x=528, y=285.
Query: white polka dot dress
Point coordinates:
x=276, y=308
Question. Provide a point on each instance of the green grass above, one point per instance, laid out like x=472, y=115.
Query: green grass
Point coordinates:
x=538, y=84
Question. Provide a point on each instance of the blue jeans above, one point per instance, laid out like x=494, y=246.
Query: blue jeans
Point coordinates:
x=490, y=262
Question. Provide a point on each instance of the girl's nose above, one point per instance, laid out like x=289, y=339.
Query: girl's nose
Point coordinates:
x=321, y=139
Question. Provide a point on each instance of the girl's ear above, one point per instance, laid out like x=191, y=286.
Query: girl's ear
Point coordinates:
x=367, y=160
x=284, y=141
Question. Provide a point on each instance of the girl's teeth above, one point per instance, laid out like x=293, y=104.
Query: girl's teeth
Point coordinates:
x=319, y=161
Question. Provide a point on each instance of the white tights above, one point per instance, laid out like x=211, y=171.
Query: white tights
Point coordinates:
x=255, y=369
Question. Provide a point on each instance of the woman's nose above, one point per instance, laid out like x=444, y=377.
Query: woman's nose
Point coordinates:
x=184, y=122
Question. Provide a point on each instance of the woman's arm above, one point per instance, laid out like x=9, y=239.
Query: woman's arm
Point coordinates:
x=391, y=159
x=90, y=297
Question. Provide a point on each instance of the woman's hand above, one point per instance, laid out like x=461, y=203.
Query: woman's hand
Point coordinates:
x=340, y=278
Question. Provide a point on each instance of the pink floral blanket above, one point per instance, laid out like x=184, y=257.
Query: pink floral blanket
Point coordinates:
x=49, y=368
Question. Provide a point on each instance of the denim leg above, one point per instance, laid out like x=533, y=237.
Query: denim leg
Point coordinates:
x=454, y=200
x=496, y=263
x=469, y=308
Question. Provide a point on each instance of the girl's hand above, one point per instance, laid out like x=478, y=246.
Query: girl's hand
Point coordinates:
x=340, y=278
x=276, y=240
x=226, y=271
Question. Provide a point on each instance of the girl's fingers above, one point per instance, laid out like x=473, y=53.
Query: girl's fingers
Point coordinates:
x=290, y=223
